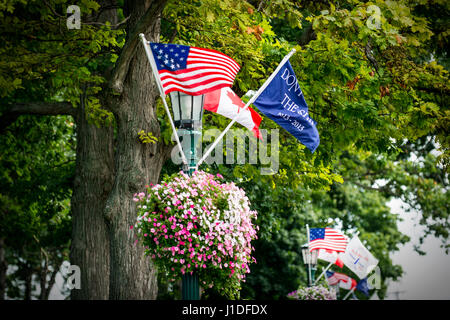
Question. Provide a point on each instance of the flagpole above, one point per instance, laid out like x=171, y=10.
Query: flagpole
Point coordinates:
x=326, y=280
x=349, y=293
x=323, y=272
x=151, y=59
x=309, y=262
x=252, y=99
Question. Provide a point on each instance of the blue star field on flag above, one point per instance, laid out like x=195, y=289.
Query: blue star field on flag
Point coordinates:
x=316, y=233
x=172, y=57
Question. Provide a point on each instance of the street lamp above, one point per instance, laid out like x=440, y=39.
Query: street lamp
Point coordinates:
x=310, y=261
x=188, y=115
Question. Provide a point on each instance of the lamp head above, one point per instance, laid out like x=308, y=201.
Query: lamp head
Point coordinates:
x=187, y=110
x=309, y=257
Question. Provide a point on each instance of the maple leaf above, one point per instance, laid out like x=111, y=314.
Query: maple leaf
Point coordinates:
x=235, y=100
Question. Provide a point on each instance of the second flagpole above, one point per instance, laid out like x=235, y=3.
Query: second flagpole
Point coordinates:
x=323, y=272
x=309, y=262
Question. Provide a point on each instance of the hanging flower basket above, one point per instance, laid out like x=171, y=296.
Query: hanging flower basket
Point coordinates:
x=198, y=224
x=312, y=293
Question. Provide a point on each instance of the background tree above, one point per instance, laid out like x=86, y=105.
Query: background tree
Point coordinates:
x=37, y=168
x=72, y=67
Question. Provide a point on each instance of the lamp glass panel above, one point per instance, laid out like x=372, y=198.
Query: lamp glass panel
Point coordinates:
x=314, y=255
x=186, y=106
x=175, y=105
x=197, y=108
x=305, y=254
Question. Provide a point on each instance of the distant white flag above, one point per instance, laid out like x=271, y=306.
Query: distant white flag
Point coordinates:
x=358, y=259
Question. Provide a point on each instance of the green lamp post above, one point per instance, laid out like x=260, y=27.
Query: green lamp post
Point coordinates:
x=188, y=115
x=310, y=261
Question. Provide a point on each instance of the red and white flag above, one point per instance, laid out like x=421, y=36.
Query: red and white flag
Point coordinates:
x=227, y=103
x=330, y=256
x=348, y=283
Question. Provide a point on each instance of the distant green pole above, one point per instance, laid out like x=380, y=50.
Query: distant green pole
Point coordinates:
x=310, y=275
x=190, y=289
x=313, y=272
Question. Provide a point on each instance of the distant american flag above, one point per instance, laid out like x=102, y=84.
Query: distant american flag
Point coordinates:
x=327, y=238
x=334, y=278
x=192, y=70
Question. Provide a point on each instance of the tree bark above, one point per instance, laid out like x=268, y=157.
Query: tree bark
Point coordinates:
x=133, y=275
x=94, y=178
x=93, y=182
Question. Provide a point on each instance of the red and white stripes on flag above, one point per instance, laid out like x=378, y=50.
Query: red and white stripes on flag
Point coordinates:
x=344, y=280
x=192, y=70
x=327, y=238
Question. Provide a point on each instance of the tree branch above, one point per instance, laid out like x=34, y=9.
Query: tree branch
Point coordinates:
x=445, y=91
x=307, y=36
x=368, y=52
x=260, y=5
x=128, y=50
x=50, y=284
x=37, y=108
x=114, y=26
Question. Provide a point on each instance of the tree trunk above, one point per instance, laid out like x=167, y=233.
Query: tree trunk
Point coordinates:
x=3, y=269
x=133, y=275
x=94, y=178
x=93, y=182
x=50, y=285
x=43, y=270
x=28, y=279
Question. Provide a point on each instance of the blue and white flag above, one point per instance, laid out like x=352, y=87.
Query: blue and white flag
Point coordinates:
x=283, y=102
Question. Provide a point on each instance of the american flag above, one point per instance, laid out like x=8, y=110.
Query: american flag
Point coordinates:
x=192, y=70
x=327, y=238
x=334, y=278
